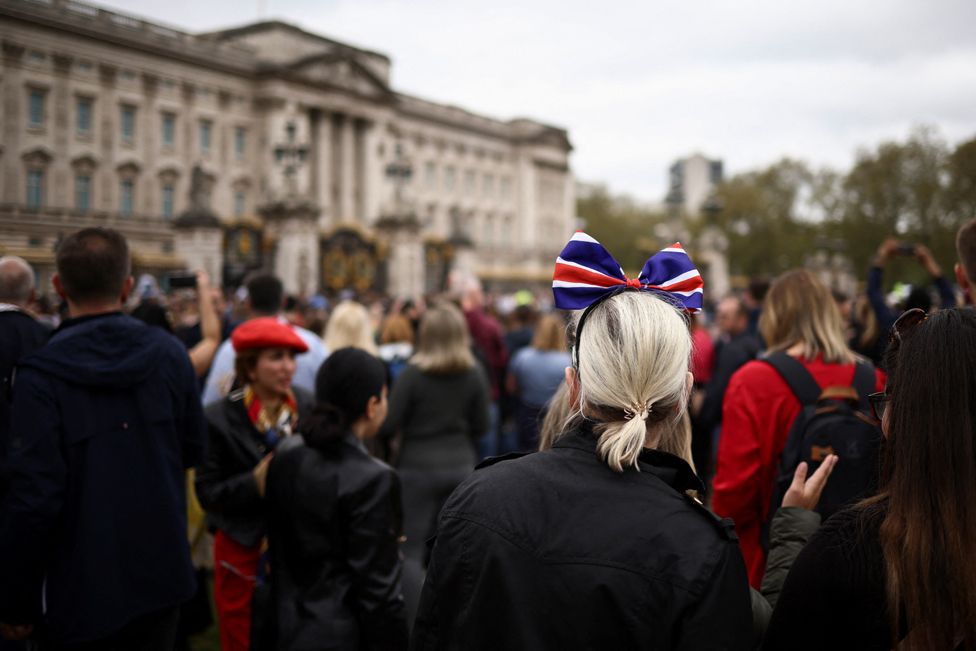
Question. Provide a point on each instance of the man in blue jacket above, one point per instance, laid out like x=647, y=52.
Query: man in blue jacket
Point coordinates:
x=105, y=419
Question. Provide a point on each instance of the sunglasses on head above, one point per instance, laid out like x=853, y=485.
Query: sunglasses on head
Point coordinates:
x=907, y=322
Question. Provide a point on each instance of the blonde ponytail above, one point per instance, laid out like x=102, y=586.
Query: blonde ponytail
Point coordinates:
x=632, y=362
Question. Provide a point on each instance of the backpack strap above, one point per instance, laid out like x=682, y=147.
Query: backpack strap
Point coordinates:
x=864, y=381
x=795, y=374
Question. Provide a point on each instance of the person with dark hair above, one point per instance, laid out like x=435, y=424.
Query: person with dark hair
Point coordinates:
x=334, y=520
x=105, y=419
x=965, y=267
x=245, y=428
x=265, y=296
x=897, y=569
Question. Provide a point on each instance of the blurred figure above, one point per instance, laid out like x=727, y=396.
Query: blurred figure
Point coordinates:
x=349, y=325
x=264, y=299
x=735, y=347
x=897, y=571
x=335, y=519
x=105, y=418
x=754, y=299
x=245, y=428
x=801, y=319
x=521, y=328
x=20, y=335
x=396, y=343
x=486, y=333
x=868, y=340
x=965, y=268
x=438, y=410
x=919, y=297
x=534, y=375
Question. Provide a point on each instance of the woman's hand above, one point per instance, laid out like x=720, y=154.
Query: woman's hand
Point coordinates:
x=805, y=493
x=261, y=473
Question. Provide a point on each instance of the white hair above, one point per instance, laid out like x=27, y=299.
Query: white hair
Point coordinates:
x=349, y=326
x=16, y=280
x=633, y=356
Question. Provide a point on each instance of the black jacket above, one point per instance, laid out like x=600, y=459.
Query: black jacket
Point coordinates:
x=225, y=482
x=105, y=418
x=555, y=550
x=20, y=335
x=334, y=521
x=732, y=355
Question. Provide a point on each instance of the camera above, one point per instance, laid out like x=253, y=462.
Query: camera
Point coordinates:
x=181, y=281
x=906, y=248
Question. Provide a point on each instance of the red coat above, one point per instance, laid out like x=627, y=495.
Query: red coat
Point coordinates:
x=757, y=413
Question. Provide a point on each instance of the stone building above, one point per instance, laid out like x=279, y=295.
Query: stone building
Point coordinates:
x=264, y=146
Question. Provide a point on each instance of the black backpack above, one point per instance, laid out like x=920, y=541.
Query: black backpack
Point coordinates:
x=834, y=420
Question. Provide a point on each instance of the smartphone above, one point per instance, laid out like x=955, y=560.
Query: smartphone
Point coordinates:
x=181, y=281
x=906, y=249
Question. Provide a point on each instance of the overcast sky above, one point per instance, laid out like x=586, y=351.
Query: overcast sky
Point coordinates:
x=639, y=84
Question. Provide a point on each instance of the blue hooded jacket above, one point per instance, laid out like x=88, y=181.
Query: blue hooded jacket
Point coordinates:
x=105, y=419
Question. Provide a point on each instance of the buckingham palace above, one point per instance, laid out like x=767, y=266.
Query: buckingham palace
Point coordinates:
x=263, y=147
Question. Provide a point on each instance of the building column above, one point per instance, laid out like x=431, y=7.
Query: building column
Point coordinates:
x=347, y=176
x=321, y=138
x=371, y=183
x=107, y=108
x=13, y=122
x=60, y=179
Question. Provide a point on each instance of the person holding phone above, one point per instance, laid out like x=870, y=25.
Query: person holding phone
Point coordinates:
x=244, y=429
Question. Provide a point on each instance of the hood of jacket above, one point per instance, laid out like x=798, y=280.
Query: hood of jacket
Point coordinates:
x=109, y=350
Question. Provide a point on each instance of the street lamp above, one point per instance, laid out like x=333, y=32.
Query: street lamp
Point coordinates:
x=291, y=155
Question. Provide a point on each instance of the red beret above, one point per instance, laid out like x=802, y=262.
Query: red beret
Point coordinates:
x=266, y=332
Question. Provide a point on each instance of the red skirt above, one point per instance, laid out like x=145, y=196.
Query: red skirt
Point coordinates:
x=235, y=569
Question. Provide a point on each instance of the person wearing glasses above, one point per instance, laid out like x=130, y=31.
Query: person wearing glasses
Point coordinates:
x=897, y=570
x=801, y=319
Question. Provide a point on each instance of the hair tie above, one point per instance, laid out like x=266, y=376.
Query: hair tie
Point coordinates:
x=639, y=411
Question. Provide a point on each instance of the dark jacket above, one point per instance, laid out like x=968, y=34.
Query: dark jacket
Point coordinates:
x=105, y=419
x=554, y=550
x=20, y=335
x=334, y=521
x=225, y=482
x=730, y=357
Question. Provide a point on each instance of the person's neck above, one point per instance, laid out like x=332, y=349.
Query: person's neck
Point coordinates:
x=270, y=400
x=360, y=429
x=76, y=311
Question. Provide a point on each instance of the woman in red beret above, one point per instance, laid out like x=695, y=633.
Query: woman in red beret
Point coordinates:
x=244, y=429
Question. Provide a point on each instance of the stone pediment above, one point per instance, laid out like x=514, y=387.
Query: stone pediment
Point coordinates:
x=339, y=71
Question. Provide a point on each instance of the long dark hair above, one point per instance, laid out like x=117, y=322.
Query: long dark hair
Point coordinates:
x=346, y=381
x=928, y=534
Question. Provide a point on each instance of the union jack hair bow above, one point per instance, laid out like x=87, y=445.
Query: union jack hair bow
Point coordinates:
x=586, y=273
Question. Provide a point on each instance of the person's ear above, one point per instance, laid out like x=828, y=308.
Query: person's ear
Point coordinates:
x=572, y=385
x=372, y=406
x=58, y=287
x=962, y=279
x=127, y=289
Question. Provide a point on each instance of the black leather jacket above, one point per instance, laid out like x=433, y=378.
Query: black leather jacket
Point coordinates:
x=554, y=550
x=334, y=524
x=225, y=482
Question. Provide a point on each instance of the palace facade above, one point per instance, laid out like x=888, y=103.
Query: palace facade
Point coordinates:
x=263, y=146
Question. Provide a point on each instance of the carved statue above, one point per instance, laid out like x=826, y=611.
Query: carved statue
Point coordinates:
x=199, y=190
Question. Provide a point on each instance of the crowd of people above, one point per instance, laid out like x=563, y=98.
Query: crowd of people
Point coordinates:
x=627, y=464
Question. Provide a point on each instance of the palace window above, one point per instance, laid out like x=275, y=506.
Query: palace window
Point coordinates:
x=84, y=115
x=35, y=113
x=240, y=203
x=126, y=192
x=167, y=200
x=206, y=126
x=128, y=123
x=35, y=189
x=82, y=193
x=430, y=174
x=449, y=176
x=240, y=142
x=169, y=129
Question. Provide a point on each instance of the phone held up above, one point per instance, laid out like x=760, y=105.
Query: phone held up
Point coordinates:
x=181, y=281
x=906, y=248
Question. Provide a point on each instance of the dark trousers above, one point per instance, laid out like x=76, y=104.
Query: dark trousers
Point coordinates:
x=153, y=632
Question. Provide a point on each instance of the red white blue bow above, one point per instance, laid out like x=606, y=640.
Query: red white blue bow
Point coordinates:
x=586, y=272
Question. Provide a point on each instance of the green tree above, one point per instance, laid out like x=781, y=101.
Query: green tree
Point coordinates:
x=622, y=225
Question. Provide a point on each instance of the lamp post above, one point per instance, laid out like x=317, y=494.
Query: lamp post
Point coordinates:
x=291, y=156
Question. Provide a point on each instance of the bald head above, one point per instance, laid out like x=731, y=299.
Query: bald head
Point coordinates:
x=16, y=281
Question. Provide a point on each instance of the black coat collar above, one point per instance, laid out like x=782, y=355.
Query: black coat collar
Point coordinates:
x=672, y=470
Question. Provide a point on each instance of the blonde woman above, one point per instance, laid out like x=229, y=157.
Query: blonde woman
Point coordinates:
x=349, y=326
x=438, y=410
x=535, y=373
x=594, y=543
x=801, y=319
